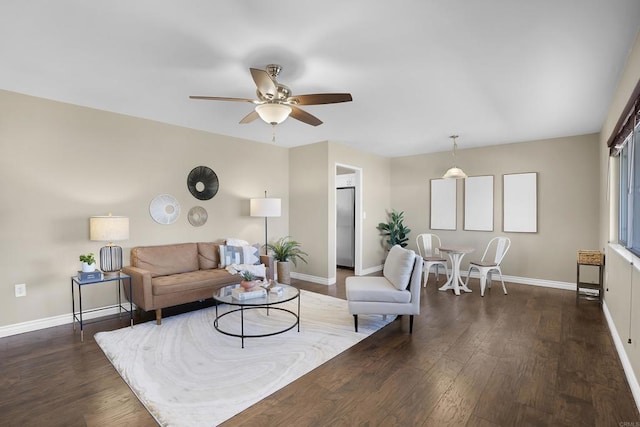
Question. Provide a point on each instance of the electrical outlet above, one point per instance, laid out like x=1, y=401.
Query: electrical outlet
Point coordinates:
x=21, y=290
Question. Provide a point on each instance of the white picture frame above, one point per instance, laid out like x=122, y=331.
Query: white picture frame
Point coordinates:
x=443, y=207
x=520, y=202
x=478, y=203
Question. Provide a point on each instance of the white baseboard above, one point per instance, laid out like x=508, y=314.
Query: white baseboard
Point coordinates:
x=527, y=281
x=48, y=322
x=624, y=359
x=314, y=279
x=372, y=270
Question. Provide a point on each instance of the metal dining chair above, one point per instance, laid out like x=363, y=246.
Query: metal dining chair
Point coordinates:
x=498, y=247
x=428, y=245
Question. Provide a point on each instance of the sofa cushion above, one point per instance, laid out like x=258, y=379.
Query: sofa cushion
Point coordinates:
x=208, y=255
x=166, y=259
x=398, y=266
x=185, y=282
x=375, y=289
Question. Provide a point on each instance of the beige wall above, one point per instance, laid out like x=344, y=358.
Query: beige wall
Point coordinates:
x=568, y=207
x=312, y=186
x=308, y=190
x=376, y=200
x=60, y=164
x=621, y=301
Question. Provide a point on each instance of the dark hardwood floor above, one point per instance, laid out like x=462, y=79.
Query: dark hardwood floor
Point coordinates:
x=533, y=357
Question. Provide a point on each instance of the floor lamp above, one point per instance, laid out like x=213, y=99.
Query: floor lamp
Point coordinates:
x=265, y=207
x=109, y=229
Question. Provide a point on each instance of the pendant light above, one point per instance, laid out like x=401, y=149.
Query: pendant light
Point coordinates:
x=454, y=172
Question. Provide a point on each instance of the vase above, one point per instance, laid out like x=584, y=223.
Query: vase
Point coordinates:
x=248, y=284
x=88, y=268
x=284, y=272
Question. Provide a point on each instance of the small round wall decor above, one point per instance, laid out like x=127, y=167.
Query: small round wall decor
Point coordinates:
x=197, y=216
x=164, y=209
x=202, y=183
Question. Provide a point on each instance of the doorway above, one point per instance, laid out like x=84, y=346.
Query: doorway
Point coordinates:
x=348, y=211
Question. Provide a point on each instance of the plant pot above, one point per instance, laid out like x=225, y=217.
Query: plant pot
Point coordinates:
x=88, y=268
x=284, y=272
x=248, y=284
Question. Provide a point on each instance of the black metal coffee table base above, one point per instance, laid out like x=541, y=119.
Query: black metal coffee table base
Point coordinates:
x=242, y=335
x=268, y=302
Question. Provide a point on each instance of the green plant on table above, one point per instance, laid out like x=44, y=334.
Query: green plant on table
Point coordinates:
x=396, y=231
x=247, y=276
x=286, y=249
x=89, y=258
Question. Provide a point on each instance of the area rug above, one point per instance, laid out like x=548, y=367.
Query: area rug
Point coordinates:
x=186, y=373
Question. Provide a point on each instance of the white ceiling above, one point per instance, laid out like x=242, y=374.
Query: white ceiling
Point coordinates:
x=492, y=71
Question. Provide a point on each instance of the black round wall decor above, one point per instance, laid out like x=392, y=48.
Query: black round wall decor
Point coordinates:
x=202, y=183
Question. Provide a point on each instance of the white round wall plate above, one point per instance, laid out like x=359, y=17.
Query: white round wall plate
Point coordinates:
x=197, y=216
x=164, y=209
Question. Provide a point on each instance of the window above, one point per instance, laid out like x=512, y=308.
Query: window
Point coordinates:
x=624, y=142
x=623, y=236
x=629, y=208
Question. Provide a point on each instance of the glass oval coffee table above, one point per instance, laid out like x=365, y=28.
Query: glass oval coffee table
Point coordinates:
x=270, y=301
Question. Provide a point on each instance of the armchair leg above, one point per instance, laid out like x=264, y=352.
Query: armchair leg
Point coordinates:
x=411, y=324
x=158, y=316
x=355, y=321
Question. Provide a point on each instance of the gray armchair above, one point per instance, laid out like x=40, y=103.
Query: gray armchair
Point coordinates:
x=396, y=292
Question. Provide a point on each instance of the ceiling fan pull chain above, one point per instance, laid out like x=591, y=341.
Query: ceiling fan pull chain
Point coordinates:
x=273, y=139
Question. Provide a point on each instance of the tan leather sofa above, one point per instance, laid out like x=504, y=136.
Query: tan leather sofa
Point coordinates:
x=168, y=275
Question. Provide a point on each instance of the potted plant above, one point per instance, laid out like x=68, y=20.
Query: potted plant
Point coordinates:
x=395, y=230
x=88, y=263
x=248, y=280
x=286, y=251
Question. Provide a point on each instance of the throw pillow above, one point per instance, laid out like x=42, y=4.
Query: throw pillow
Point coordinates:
x=398, y=267
x=239, y=255
x=236, y=242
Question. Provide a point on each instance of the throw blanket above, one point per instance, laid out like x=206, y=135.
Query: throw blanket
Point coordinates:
x=258, y=270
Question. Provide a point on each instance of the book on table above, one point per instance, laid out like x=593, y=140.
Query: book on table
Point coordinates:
x=276, y=290
x=91, y=276
x=242, y=294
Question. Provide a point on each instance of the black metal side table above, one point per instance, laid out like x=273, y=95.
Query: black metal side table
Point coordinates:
x=121, y=278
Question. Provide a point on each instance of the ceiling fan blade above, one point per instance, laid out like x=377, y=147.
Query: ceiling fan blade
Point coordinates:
x=320, y=98
x=303, y=116
x=264, y=83
x=249, y=117
x=222, y=98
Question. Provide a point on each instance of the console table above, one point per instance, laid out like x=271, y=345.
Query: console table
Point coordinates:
x=594, y=259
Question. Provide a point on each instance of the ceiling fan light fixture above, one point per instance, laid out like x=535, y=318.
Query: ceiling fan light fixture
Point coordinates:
x=272, y=113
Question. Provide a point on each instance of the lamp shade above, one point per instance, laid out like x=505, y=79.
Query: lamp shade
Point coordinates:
x=108, y=228
x=455, y=173
x=273, y=113
x=265, y=207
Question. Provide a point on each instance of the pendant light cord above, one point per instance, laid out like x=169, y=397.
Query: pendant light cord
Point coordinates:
x=455, y=146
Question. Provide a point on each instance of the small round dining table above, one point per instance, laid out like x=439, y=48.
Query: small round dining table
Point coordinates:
x=456, y=253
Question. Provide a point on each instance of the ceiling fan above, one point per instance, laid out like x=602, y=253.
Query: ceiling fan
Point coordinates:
x=276, y=102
